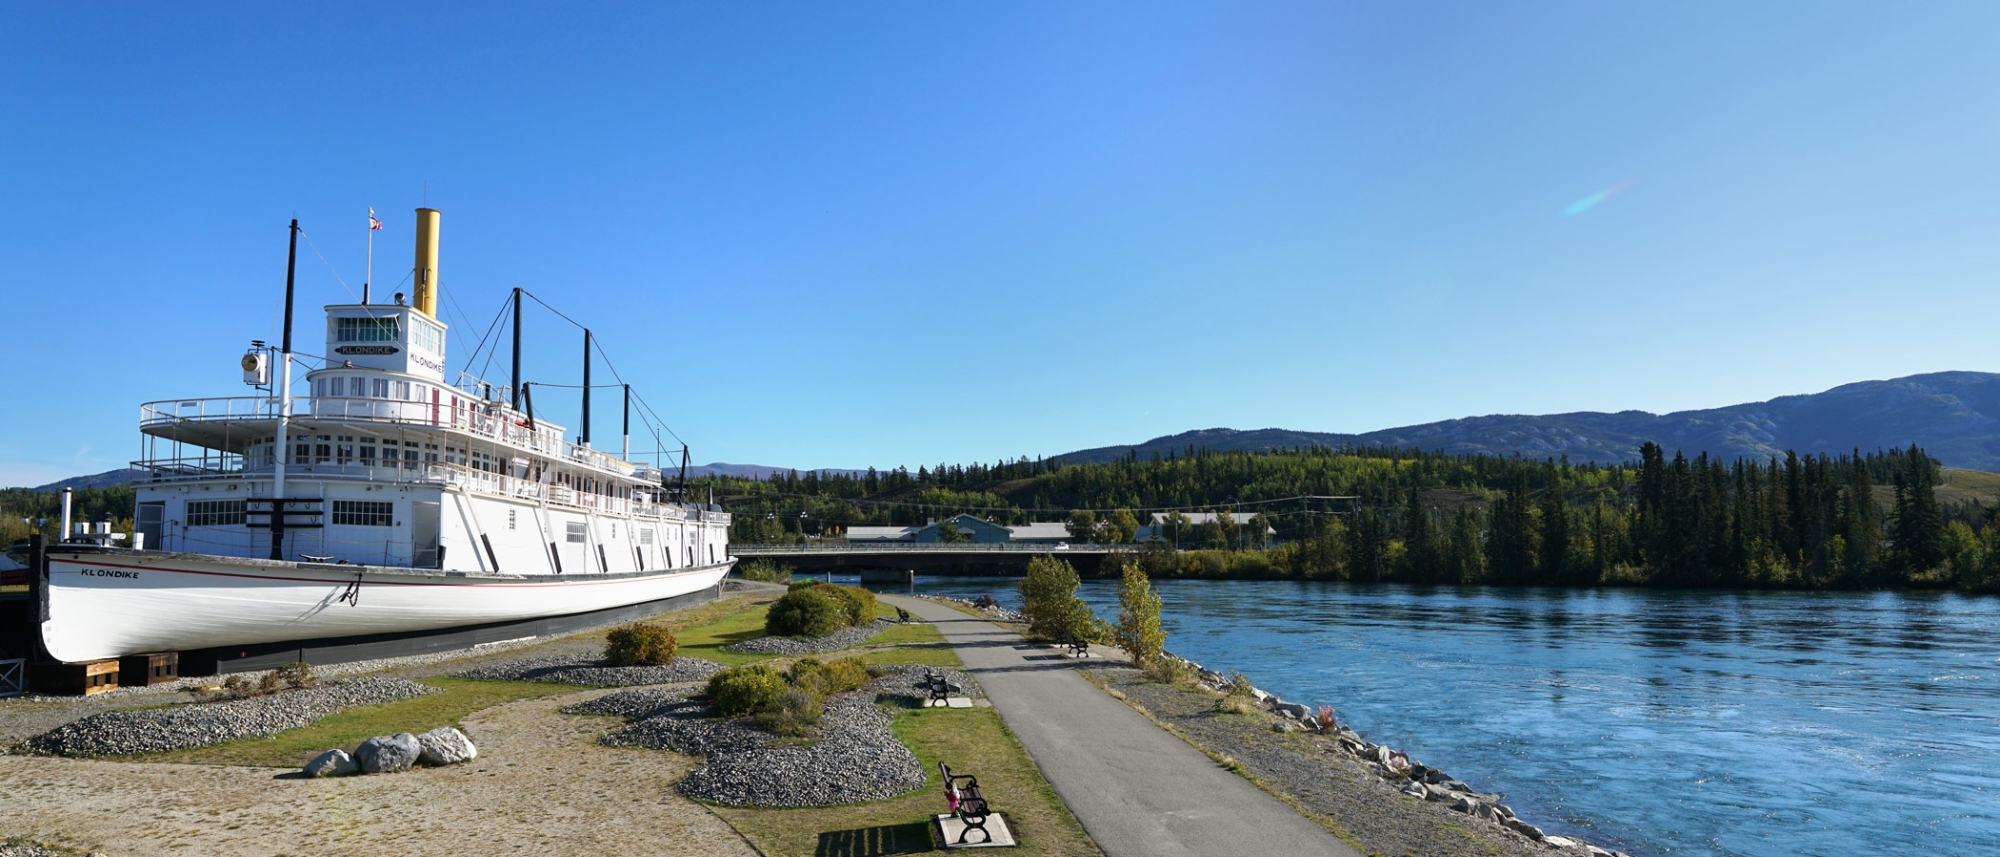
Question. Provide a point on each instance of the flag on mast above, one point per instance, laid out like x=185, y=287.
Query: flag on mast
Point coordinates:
x=373, y=222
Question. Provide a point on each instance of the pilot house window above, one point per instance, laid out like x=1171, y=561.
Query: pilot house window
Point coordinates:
x=364, y=513
x=366, y=330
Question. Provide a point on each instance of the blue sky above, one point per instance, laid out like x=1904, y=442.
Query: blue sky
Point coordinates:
x=841, y=235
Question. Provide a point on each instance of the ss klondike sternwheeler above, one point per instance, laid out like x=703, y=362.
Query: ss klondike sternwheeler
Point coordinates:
x=387, y=501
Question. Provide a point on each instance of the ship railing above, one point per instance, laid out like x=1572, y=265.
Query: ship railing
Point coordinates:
x=488, y=420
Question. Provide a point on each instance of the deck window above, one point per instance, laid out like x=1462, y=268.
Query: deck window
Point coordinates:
x=364, y=513
x=379, y=388
x=366, y=330
x=576, y=532
x=214, y=513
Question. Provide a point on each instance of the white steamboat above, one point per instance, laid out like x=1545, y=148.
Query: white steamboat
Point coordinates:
x=386, y=501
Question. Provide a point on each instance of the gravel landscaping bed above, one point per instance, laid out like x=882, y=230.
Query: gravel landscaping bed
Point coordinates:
x=845, y=638
x=629, y=704
x=1309, y=768
x=180, y=727
x=857, y=758
x=573, y=670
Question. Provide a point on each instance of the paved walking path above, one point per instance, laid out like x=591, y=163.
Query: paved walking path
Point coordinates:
x=1138, y=790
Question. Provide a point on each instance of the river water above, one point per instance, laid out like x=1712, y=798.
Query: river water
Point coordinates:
x=1737, y=723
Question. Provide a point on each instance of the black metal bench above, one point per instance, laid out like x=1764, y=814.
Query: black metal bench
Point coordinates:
x=940, y=689
x=968, y=805
x=1078, y=647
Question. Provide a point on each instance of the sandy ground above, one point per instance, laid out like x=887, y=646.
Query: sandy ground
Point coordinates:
x=539, y=786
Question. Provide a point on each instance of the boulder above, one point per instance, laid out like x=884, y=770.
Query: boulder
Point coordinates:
x=1523, y=828
x=1504, y=810
x=1416, y=790
x=332, y=763
x=384, y=754
x=1281, y=726
x=1561, y=842
x=445, y=746
x=1259, y=695
x=1294, y=710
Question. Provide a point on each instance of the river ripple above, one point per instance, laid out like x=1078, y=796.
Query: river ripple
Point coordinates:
x=1738, y=723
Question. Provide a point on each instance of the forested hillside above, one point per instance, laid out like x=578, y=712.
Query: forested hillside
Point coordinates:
x=1953, y=415
x=1846, y=521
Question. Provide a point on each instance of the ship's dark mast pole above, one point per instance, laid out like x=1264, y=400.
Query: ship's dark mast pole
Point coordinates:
x=516, y=386
x=585, y=438
x=628, y=421
x=284, y=405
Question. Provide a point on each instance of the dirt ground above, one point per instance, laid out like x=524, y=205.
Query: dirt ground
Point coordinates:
x=540, y=786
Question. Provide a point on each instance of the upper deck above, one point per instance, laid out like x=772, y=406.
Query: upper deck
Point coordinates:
x=469, y=443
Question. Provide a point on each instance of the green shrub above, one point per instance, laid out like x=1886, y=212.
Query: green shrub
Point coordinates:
x=295, y=675
x=749, y=689
x=639, y=644
x=808, y=612
x=268, y=683
x=828, y=679
x=847, y=674
x=860, y=603
x=807, y=583
x=765, y=571
x=795, y=712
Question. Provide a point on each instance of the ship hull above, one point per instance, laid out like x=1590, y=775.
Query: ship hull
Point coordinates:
x=107, y=603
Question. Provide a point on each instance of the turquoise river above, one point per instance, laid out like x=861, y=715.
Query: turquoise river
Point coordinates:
x=1727, y=723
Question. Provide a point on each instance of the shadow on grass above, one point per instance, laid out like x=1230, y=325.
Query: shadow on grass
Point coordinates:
x=911, y=838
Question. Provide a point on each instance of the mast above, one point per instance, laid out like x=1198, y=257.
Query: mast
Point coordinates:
x=284, y=406
x=369, y=276
x=516, y=385
x=585, y=438
x=628, y=422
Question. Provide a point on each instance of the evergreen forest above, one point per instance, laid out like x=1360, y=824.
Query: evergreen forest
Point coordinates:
x=1852, y=521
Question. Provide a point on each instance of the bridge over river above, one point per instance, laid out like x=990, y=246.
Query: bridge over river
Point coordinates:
x=898, y=560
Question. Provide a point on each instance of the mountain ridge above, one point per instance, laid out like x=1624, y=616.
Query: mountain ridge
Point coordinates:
x=1955, y=416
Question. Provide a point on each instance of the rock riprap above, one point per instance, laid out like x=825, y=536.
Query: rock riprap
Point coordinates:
x=387, y=754
x=845, y=638
x=179, y=727
x=445, y=746
x=573, y=670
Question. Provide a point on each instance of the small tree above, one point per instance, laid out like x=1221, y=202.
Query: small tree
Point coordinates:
x=1125, y=526
x=949, y=533
x=1048, y=599
x=1083, y=525
x=1139, y=632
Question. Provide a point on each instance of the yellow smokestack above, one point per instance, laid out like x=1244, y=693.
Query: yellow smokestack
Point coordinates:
x=426, y=273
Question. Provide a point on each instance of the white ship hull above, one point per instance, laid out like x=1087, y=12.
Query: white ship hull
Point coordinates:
x=111, y=603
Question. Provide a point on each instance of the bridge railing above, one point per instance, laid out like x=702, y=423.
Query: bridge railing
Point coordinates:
x=742, y=549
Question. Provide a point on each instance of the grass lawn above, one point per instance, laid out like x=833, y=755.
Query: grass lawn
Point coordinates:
x=972, y=741
x=706, y=641
x=346, y=729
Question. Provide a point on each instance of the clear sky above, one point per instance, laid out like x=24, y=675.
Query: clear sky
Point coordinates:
x=841, y=235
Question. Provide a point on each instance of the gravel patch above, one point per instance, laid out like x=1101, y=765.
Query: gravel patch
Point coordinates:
x=573, y=670
x=857, y=758
x=24, y=849
x=845, y=638
x=629, y=704
x=118, y=733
